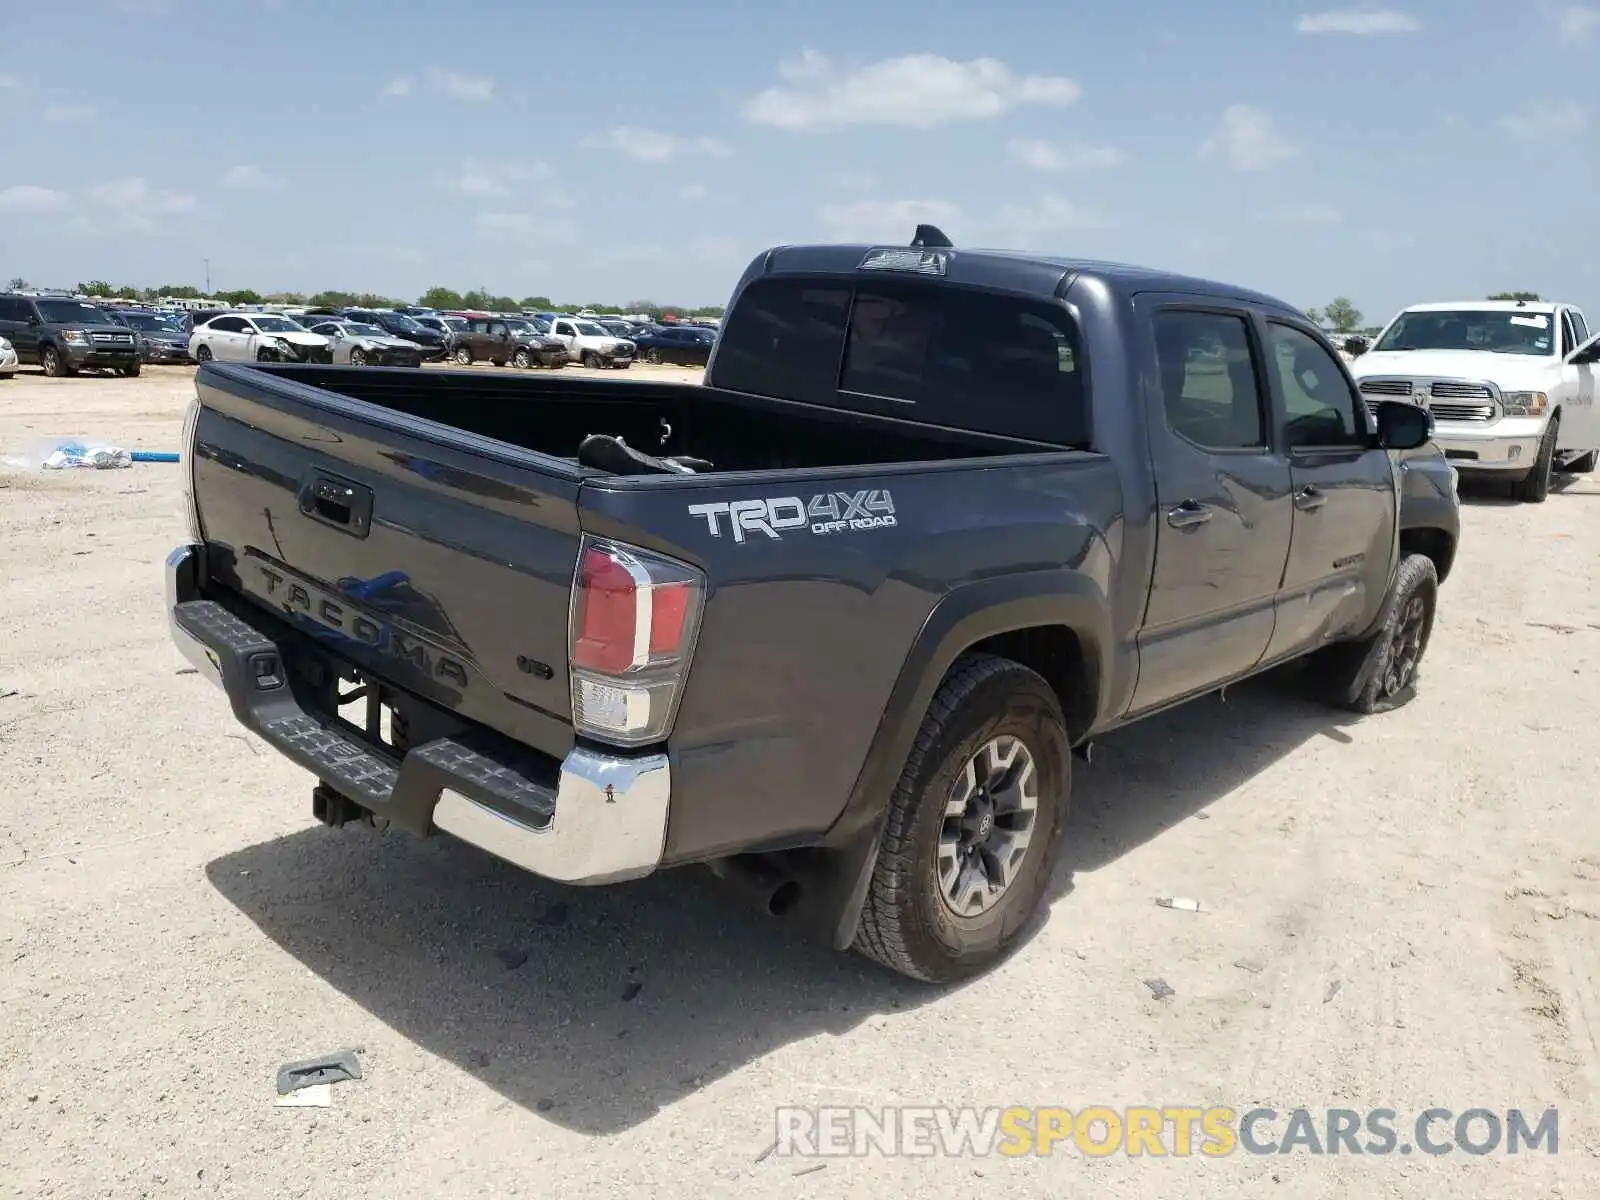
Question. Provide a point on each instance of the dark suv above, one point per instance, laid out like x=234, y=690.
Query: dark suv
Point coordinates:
x=63, y=335
x=401, y=326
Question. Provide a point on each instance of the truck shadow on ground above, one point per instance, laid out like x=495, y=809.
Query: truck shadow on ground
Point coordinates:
x=599, y=1007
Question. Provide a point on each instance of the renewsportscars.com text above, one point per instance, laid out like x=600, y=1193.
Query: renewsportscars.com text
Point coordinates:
x=1178, y=1131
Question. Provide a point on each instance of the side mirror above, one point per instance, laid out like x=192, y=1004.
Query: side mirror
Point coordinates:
x=1403, y=425
x=1587, y=354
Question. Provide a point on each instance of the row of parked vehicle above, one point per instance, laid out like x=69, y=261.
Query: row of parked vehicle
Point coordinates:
x=65, y=334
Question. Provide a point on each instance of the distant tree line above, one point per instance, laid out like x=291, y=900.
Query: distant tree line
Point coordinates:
x=434, y=297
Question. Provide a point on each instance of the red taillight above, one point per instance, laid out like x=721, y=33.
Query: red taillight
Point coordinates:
x=606, y=628
x=634, y=618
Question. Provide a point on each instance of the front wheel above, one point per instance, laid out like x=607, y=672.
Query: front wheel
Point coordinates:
x=358, y=358
x=264, y=355
x=974, y=825
x=591, y=359
x=1534, y=488
x=522, y=359
x=1583, y=465
x=54, y=363
x=1380, y=672
x=131, y=371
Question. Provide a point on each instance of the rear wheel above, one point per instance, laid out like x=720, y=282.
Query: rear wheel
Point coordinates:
x=522, y=359
x=463, y=356
x=653, y=357
x=974, y=825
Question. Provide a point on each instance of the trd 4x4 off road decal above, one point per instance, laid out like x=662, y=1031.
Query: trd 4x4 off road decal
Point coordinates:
x=829, y=512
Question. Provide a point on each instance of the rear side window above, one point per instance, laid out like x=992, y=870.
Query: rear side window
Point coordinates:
x=1578, y=325
x=783, y=339
x=940, y=355
x=1209, y=387
x=13, y=309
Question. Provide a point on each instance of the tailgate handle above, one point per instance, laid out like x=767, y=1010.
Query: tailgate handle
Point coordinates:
x=337, y=502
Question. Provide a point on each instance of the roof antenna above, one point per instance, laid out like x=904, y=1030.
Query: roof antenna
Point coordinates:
x=931, y=236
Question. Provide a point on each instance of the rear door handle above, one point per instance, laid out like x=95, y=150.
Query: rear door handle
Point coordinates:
x=1309, y=498
x=1188, y=515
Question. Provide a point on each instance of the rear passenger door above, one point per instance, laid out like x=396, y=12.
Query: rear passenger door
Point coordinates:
x=1223, y=518
x=15, y=328
x=1346, y=494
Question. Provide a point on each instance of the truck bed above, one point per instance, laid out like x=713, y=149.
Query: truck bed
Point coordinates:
x=451, y=580
x=551, y=415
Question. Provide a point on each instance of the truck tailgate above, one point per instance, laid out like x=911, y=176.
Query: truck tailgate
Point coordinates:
x=436, y=559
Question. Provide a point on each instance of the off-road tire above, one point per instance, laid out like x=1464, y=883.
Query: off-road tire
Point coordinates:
x=905, y=924
x=1354, y=675
x=1534, y=488
x=463, y=357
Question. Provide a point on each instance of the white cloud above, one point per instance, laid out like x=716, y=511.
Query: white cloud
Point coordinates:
x=1047, y=214
x=1362, y=22
x=886, y=220
x=459, y=86
x=132, y=204
x=30, y=198
x=526, y=229
x=895, y=220
x=248, y=177
x=647, y=146
x=1576, y=22
x=1546, y=121
x=1045, y=156
x=477, y=178
x=69, y=112
x=10, y=81
x=1249, y=140
x=1313, y=213
x=694, y=191
x=400, y=85
x=916, y=91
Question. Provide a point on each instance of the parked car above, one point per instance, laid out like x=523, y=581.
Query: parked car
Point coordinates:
x=367, y=345
x=591, y=344
x=401, y=326
x=195, y=318
x=507, y=339
x=8, y=359
x=448, y=326
x=257, y=337
x=161, y=338
x=64, y=335
x=685, y=347
x=1511, y=383
x=833, y=622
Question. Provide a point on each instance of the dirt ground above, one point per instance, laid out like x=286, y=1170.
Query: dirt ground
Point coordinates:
x=1398, y=912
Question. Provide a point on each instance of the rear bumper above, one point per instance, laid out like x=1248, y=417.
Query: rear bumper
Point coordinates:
x=590, y=818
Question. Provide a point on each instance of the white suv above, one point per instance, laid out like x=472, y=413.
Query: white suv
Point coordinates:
x=1511, y=385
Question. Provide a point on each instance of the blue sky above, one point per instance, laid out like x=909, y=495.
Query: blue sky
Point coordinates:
x=620, y=151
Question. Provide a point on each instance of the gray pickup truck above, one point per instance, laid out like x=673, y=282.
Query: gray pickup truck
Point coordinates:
x=833, y=622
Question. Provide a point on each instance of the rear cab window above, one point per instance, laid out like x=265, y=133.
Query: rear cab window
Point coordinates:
x=980, y=361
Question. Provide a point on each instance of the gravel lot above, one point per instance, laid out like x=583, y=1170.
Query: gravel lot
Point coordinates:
x=174, y=925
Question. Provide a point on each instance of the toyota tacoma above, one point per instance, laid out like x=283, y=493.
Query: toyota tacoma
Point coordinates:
x=833, y=622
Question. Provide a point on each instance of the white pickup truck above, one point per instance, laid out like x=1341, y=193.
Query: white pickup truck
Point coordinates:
x=591, y=344
x=1511, y=385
